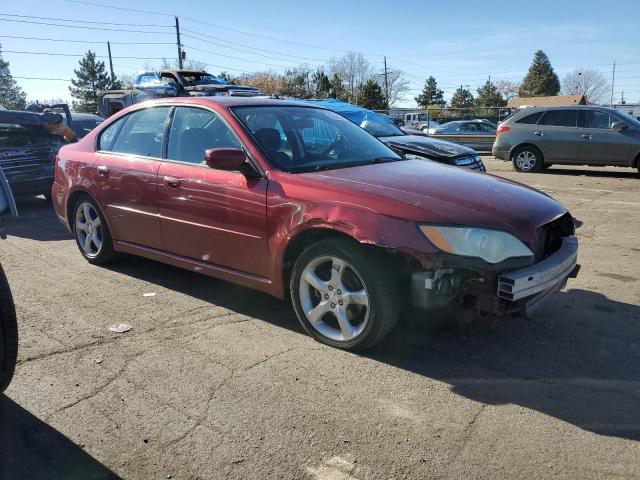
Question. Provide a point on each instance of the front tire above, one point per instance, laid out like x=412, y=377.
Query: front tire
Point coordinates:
x=527, y=159
x=345, y=295
x=91, y=232
x=8, y=333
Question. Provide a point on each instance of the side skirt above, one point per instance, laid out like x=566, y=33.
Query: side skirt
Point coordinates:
x=217, y=271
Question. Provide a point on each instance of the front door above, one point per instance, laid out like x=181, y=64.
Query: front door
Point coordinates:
x=557, y=134
x=125, y=175
x=599, y=144
x=213, y=216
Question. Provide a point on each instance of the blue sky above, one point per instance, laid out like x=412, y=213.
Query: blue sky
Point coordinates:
x=458, y=42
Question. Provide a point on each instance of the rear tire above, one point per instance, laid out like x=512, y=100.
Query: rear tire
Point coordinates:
x=8, y=333
x=527, y=158
x=91, y=231
x=345, y=295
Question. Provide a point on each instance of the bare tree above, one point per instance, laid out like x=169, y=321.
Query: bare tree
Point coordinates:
x=398, y=85
x=507, y=89
x=590, y=83
x=354, y=70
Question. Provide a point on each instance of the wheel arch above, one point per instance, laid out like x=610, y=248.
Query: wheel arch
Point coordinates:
x=71, y=201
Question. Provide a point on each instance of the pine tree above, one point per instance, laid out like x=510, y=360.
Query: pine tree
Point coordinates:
x=540, y=80
x=11, y=95
x=431, y=95
x=489, y=96
x=90, y=78
x=370, y=96
x=338, y=90
x=462, y=99
x=322, y=84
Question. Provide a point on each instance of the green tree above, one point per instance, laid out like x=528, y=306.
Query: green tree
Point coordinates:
x=370, y=96
x=322, y=84
x=462, y=99
x=489, y=96
x=540, y=80
x=338, y=90
x=11, y=95
x=90, y=78
x=431, y=95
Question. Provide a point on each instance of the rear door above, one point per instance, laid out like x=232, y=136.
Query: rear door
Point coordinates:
x=213, y=216
x=558, y=136
x=599, y=144
x=125, y=175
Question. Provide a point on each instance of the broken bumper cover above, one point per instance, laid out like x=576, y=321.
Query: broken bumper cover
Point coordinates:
x=533, y=284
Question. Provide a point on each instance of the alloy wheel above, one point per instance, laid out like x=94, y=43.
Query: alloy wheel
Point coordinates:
x=334, y=298
x=526, y=160
x=88, y=228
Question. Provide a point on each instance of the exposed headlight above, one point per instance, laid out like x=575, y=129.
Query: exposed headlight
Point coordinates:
x=493, y=246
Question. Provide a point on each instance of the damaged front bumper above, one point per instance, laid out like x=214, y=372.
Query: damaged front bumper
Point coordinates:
x=520, y=290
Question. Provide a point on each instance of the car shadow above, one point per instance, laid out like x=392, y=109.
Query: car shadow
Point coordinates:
x=578, y=360
x=36, y=220
x=31, y=449
x=587, y=172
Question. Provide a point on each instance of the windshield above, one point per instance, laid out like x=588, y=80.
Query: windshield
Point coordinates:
x=374, y=123
x=202, y=78
x=628, y=118
x=298, y=139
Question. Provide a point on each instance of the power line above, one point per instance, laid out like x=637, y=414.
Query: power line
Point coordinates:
x=222, y=27
x=42, y=78
x=85, y=21
x=57, y=54
x=232, y=57
x=83, y=41
x=247, y=46
x=82, y=26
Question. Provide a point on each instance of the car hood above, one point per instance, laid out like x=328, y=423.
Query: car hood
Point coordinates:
x=431, y=192
x=435, y=149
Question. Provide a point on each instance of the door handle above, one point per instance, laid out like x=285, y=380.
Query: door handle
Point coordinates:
x=538, y=133
x=172, y=182
x=586, y=137
x=102, y=170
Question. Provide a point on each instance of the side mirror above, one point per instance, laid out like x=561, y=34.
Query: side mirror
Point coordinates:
x=618, y=126
x=225, y=158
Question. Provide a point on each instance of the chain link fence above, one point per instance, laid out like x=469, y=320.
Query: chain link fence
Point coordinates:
x=420, y=118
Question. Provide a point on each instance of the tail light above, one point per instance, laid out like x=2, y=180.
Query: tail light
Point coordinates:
x=502, y=130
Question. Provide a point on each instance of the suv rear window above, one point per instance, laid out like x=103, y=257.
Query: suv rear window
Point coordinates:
x=530, y=119
x=560, y=118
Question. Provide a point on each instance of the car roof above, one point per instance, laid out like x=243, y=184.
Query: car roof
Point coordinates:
x=231, y=101
x=565, y=107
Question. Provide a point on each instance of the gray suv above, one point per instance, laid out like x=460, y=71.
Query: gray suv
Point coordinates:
x=535, y=138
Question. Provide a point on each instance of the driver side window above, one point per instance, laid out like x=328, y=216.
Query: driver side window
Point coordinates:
x=194, y=131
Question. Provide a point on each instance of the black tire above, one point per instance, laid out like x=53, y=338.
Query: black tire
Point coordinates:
x=546, y=166
x=8, y=333
x=105, y=253
x=378, y=278
x=533, y=158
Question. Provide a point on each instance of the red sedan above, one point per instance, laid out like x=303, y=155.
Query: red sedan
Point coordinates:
x=297, y=201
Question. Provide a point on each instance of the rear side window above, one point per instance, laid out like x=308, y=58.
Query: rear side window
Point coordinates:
x=595, y=119
x=109, y=134
x=143, y=133
x=560, y=118
x=530, y=119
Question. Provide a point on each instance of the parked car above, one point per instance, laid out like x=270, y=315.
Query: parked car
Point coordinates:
x=28, y=144
x=8, y=333
x=535, y=138
x=168, y=83
x=405, y=143
x=476, y=134
x=295, y=200
x=83, y=123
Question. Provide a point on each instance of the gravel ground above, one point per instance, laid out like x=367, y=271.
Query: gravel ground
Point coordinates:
x=217, y=381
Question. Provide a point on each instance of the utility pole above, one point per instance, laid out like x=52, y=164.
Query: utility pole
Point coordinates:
x=178, y=42
x=386, y=83
x=613, y=81
x=113, y=77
